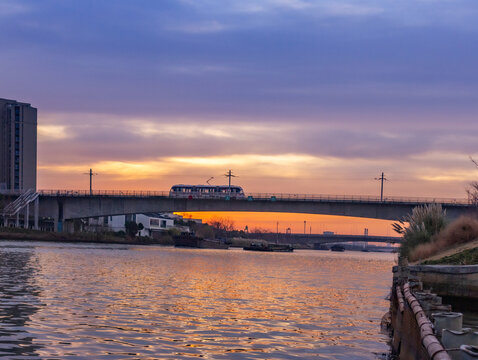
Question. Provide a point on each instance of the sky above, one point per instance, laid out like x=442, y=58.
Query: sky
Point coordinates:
x=295, y=96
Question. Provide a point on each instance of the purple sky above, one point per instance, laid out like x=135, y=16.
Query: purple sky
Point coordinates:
x=293, y=95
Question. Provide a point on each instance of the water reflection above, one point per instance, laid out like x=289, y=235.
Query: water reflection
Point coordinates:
x=18, y=302
x=165, y=303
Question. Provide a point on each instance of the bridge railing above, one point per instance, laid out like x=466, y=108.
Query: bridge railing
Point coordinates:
x=117, y=193
x=267, y=196
x=358, y=198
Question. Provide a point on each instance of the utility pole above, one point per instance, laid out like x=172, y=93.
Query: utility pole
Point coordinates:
x=277, y=232
x=381, y=178
x=229, y=175
x=91, y=180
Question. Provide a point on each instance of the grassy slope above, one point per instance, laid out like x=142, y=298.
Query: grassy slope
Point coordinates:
x=464, y=254
x=467, y=257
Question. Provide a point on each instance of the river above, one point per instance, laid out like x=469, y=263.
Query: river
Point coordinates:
x=92, y=301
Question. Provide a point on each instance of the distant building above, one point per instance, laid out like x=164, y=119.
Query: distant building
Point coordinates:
x=152, y=222
x=18, y=146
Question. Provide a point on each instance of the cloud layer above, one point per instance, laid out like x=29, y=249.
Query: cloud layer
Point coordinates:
x=319, y=96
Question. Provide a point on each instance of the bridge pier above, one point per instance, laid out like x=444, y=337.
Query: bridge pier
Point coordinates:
x=59, y=218
x=36, y=212
x=52, y=209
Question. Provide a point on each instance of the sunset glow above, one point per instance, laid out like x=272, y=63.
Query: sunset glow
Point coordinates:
x=307, y=97
x=281, y=222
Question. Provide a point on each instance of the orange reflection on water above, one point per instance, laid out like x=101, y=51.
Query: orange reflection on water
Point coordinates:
x=153, y=302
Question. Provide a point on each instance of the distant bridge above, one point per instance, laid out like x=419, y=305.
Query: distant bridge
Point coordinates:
x=63, y=205
x=325, y=238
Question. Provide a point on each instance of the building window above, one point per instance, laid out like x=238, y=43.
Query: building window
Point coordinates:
x=153, y=222
x=163, y=223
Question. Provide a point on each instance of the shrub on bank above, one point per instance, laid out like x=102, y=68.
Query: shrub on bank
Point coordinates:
x=423, y=224
x=461, y=231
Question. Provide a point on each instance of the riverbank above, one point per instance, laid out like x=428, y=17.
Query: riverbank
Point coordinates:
x=465, y=254
x=102, y=238
x=421, y=291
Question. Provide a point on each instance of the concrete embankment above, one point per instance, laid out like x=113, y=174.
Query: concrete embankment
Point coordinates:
x=416, y=310
x=448, y=280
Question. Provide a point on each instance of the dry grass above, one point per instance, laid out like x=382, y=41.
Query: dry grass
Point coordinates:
x=424, y=223
x=461, y=231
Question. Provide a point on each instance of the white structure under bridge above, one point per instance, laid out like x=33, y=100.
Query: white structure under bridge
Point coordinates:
x=152, y=222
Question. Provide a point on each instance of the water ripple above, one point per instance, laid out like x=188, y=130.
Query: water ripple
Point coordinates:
x=81, y=301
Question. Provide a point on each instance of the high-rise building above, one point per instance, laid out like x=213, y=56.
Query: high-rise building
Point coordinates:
x=18, y=146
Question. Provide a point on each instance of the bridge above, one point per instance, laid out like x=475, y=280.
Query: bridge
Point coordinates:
x=295, y=238
x=64, y=205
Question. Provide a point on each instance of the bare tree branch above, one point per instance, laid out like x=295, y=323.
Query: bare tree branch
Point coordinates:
x=473, y=161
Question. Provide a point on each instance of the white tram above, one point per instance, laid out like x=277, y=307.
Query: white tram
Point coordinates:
x=207, y=192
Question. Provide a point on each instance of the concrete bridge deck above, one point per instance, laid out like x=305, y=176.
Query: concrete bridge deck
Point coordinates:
x=72, y=204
